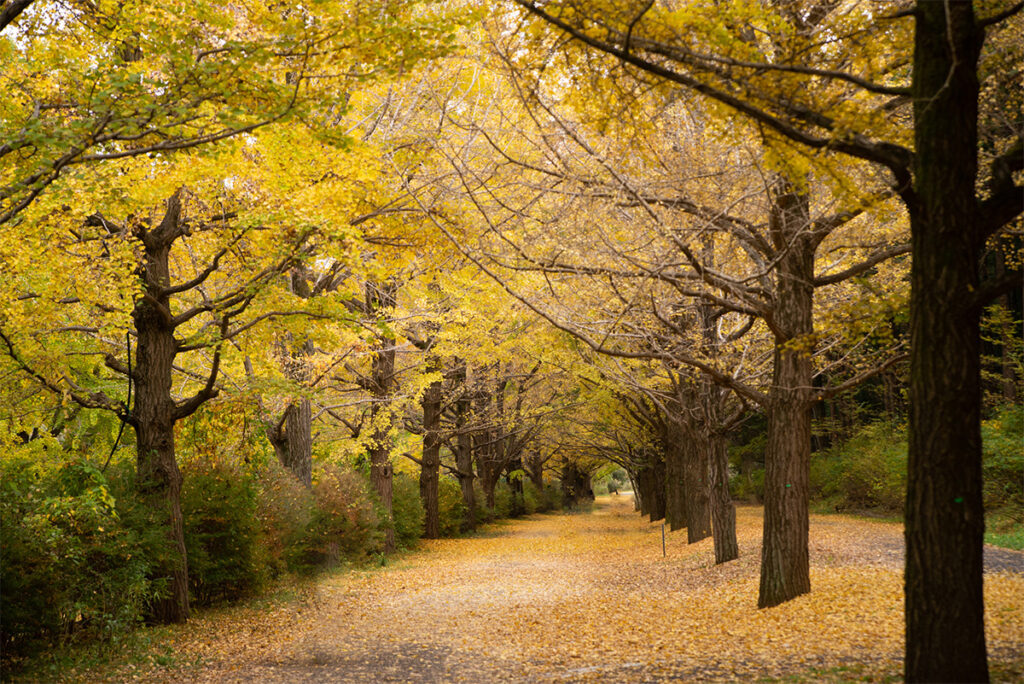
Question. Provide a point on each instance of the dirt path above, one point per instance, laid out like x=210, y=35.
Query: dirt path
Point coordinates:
x=589, y=597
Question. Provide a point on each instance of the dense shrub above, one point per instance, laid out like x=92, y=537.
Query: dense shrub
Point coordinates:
x=870, y=469
x=503, y=499
x=1003, y=463
x=749, y=487
x=502, y=502
x=406, y=509
x=222, y=532
x=451, y=507
x=344, y=524
x=746, y=468
x=69, y=567
x=286, y=509
x=552, y=496
x=532, y=499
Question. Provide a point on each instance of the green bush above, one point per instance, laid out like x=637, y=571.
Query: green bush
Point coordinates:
x=344, y=524
x=222, y=532
x=870, y=469
x=748, y=487
x=867, y=471
x=552, y=496
x=532, y=499
x=503, y=499
x=451, y=507
x=69, y=567
x=406, y=509
x=286, y=509
x=1003, y=462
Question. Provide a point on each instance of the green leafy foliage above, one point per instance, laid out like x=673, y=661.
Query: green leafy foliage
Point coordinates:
x=552, y=496
x=70, y=566
x=533, y=500
x=286, y=509
x=867, y=471
x=451, y=507
x=406, y=509
x=222, y=531
x=1003, y=462
x=344, y=525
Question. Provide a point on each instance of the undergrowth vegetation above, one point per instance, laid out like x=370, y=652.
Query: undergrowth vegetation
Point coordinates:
x=79, y=546
x=868, y=472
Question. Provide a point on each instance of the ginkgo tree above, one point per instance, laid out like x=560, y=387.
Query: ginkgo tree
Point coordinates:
x=180, y=248
x=912, y=112
x=636, y=258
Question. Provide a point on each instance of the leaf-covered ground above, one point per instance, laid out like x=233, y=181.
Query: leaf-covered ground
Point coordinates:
x=588, y=597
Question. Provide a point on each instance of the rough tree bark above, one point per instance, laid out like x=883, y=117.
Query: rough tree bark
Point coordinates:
x=463, y=448
x=293, y=440
x=158, y=477
x=785, y=566
x=431, y=462
x=945, y=629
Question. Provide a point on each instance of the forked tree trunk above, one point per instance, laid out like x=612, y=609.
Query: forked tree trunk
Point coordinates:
x=293, y=443
x=154, y=414
x=431, y=462
x=785, y=567
x=945, y=638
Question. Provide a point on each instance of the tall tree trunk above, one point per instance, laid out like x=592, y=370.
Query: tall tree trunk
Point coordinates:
x=158, y=477
x=654, y=489
x=535, y=467
x=674, y=449
x=636, y=491
x=294, y=443
x=295, y=447
x=431, y=461
x=723, y=512
x=483, y=444
x=515, y=483
x=575, y=486
x=643, y=489
x=464, y=451
x=785, y=567
x=378, y=298
x=695, y=474
x=945, y=638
